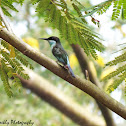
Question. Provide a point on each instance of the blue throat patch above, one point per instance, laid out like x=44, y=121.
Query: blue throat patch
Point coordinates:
x=52, y=43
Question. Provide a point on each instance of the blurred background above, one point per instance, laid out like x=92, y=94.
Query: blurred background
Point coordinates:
x=29, y=25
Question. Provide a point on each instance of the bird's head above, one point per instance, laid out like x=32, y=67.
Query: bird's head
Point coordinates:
x=52, y=40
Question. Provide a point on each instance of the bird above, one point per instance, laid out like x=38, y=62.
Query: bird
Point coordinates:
x=59, y=52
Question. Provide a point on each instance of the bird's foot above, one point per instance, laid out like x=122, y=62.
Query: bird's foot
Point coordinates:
x=59, y=63
x=66, y=67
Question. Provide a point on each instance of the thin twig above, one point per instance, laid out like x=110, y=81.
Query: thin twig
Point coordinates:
x=7, y=25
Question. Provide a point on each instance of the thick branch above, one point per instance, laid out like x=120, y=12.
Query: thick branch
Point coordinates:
x=84, y=64
x=84, y=85
x=56, y=98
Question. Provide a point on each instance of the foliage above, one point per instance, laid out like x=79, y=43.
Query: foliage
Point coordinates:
x=10, y=67
x=119, y=73
x=73, y=29
x=119, y=8
x=5, y=4
x=10, y=59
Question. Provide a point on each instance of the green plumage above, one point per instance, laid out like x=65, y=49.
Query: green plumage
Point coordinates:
x=61, y=55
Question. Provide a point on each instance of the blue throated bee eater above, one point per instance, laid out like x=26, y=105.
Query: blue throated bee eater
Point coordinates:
x=59, y=52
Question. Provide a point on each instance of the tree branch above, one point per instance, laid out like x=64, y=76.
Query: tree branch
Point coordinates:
x=84, y=64
x=56, y=98
x=84, y=85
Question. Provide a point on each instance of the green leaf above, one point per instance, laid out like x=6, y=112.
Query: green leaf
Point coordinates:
x=8, y=4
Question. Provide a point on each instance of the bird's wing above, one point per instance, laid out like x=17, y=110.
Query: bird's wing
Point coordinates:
x=60, y=54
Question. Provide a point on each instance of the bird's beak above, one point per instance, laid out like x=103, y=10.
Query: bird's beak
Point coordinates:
x=44, y=38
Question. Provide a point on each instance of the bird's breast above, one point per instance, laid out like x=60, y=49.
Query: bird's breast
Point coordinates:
x=56, y=50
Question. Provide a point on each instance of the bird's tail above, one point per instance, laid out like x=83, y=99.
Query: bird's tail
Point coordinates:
x=70, y=71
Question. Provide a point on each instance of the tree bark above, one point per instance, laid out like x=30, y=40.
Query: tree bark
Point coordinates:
x=82, y=84
x=84, y=64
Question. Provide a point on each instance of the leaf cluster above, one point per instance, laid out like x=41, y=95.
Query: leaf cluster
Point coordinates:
x=11, y=67
x=119, y=8
x=119, y=74
x=73, y=29
x=8, y=4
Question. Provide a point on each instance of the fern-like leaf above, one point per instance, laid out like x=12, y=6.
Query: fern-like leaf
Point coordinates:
x=20, y=1
x=116, y=82
x=117, y=9
x=23, y=61
x=118, y=6
x=4, y=78
x=119, y=74
x=11, y=62
x=117, y=60
x=43, y=5
x=78, y=12
x=11, y=67
x=115, y=73
x=6, y=12
x=10, y=74
x=4, y=44
x=17, y=83
x=8, y=4
x=124, y=9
